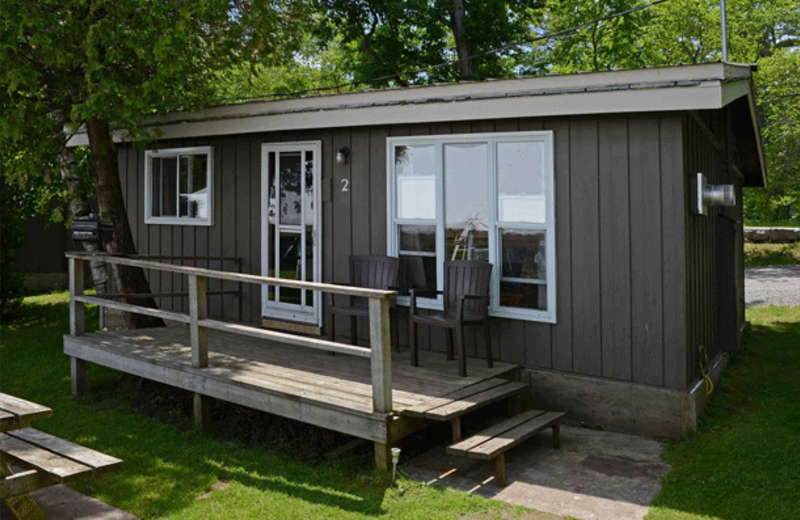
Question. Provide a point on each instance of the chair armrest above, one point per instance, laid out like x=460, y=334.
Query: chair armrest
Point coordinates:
x=475, y=297
x=460, y=309
x=421, y=292
x=425, y=293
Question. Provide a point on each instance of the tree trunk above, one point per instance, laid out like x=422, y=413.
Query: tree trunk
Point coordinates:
x=469, y=67
x=79, y=207
x=112, y=207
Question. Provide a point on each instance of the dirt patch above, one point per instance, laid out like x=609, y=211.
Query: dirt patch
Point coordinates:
x=218, y=486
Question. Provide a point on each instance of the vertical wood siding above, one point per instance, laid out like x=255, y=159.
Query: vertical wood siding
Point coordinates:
x=620, y=236
x=710, y=150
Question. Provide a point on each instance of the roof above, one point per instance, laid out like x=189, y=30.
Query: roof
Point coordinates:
x=678, y=88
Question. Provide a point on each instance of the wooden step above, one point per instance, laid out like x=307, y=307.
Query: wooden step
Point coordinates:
x=500, y=438
x=466, y=400
x=492, y=443
x=461, y=448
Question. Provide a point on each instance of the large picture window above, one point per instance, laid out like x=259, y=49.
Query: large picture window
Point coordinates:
x=486, y=197
x=178, y=186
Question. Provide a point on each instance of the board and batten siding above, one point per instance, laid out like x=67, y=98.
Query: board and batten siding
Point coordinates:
x=620, y=236
x=710, y=150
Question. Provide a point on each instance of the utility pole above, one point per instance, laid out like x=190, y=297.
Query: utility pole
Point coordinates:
x=724, y=30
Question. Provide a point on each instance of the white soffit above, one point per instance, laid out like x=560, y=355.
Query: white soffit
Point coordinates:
x=690, y=87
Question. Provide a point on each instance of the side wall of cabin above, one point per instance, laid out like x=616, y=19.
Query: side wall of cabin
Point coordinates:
x=714, y=243
x=621, y=237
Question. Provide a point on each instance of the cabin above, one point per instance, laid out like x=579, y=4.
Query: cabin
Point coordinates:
x=608, y=203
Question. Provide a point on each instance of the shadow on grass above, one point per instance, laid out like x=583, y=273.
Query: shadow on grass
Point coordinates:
x=167, y=465
x=743, y=463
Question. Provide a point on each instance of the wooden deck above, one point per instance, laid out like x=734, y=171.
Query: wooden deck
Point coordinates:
x=311, y=386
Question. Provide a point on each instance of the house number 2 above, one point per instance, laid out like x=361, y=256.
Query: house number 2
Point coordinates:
x=345, y=185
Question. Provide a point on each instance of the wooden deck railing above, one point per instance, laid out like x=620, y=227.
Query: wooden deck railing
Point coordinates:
x=199, y=322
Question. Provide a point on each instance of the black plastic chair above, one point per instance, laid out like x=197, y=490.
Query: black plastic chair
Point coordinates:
x=373, y=272
x=466, y=302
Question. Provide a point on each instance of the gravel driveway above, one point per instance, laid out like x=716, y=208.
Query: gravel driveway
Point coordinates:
x=772, y=285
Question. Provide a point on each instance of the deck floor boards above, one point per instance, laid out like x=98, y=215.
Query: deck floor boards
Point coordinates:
x=336, y=381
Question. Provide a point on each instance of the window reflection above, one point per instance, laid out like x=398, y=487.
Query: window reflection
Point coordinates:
x=416, y=181
x=466, y=206
x=520, y=182
x=524, y=269
x=194, y=186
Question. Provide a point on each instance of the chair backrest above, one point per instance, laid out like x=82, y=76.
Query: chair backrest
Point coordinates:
x=374, y=271
x=467, y=277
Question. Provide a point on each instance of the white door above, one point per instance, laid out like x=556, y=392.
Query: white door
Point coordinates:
x=291, y=212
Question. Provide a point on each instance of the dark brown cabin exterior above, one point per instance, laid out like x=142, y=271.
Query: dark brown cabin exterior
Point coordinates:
x=645, y=287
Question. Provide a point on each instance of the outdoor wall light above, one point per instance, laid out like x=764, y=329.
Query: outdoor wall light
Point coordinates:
x=342, y=154
x=713, y=195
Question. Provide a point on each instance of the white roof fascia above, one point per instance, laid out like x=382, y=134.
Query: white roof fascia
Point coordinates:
x=734, y=90
x=691, y=87
x=706, y=95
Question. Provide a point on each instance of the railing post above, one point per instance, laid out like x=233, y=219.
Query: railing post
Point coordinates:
x=198, y=310
x=381, y=355
x=76, y=324
x=76, y=321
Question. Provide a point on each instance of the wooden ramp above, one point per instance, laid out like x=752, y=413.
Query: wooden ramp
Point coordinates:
x=333, y=392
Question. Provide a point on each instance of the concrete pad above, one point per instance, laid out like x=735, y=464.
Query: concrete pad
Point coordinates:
x=596, y=475
x=62, y=503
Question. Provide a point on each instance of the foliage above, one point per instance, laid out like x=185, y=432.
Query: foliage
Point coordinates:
x=745, y=448
x=393, y=40
x=779, y=91
x=65, y=63
x=171, y=471
x=771, y=254
x=315, y=65
x=19, y=200
x=600, y=46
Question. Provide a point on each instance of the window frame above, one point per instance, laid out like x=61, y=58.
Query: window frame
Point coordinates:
x=494, y=224
x=149, y=155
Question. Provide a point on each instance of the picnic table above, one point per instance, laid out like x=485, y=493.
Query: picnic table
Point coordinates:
x=44, y=460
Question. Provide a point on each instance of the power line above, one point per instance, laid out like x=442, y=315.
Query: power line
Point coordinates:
x=516, y=45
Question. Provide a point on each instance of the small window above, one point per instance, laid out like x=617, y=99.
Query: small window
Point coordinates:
x=178, y=186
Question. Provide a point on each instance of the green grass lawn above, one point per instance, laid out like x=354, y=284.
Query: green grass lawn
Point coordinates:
x=771, y=254
x=171, y=471
x=744, y=462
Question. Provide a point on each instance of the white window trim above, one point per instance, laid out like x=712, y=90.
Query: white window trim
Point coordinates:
x=279, y=310
x=148, y=192
x=491, y=139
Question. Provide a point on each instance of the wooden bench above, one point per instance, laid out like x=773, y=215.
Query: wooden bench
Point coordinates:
x=493, y=442
x=452, y=406
x=46, y=460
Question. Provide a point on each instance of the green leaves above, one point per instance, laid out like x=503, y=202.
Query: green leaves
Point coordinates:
x=126, y=59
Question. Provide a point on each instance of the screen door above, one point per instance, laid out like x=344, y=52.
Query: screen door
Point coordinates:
x=291, y=209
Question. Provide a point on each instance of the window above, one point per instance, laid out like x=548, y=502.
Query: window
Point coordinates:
x=178, y=186
x=482, y=197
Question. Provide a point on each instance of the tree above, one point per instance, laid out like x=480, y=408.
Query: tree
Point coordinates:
x=316, y=64
x=779, y=92
x=393, y=39
x=106, y=65
x=601, y=45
